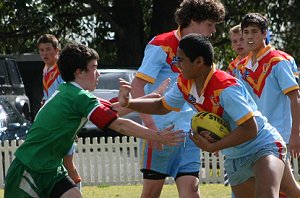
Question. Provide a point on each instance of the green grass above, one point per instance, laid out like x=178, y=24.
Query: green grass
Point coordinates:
x=133, y=191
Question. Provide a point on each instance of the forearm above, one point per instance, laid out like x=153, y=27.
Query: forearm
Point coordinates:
x=138, y=91
x=240, y=135
x=295, y=111
x=71, y=168
x=147, y=106
x=130, y=128
x=124, y=111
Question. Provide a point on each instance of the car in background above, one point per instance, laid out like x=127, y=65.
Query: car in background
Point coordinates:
x=13, y=126
x=108, y=89
x=12, y=87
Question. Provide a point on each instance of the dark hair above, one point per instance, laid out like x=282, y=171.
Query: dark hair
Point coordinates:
x=255, y=19
x=199, y=10
x=72, y=57
x=195, y=45
x=48, y=38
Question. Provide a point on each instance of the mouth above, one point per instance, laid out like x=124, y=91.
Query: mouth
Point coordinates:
x=250, y=42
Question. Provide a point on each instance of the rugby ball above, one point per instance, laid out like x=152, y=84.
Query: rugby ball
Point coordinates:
x=210, y=126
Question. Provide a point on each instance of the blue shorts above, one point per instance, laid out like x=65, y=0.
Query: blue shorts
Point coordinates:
x=184, y=158
x=240, y=170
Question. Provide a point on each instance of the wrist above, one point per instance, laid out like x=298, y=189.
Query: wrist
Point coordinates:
x=77, y=180
x=127, y=104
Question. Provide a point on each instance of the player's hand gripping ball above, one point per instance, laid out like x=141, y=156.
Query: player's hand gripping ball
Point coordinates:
x=210, y=126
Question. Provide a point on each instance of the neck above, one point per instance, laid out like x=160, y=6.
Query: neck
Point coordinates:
x=256, y=51
x=201, y=79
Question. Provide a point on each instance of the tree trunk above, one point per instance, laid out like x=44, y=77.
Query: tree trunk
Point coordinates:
x=163, y=19
x=129, y=41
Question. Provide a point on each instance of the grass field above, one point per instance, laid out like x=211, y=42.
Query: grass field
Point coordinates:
x=133, y=191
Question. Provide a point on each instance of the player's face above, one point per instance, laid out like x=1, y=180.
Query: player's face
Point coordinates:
x=254, y=38
x=90, y=76
x=238, y=44
x=205, y=28
x=48, y=53
x=185, y=65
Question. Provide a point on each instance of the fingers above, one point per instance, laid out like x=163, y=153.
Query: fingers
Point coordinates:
x=122, y=81
x=170, y=128
x=294, y=150
x=163, y=86
x=171, y=138
x=153, y=95
x=294, y=153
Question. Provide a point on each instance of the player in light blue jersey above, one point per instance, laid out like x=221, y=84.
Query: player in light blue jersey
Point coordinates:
x=271, y=76
x=254, y=150
x=183, y=162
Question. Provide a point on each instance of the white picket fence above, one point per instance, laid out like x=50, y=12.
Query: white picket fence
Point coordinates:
x=117, y=162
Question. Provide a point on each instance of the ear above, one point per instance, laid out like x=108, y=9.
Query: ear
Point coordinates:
x=265, y=34
x=57, y=50
x=199, y=60
x=78, y=73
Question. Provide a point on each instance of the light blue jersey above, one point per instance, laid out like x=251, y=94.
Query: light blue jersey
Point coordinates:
x=228, y=98
x=157, y=67
x=268, y=81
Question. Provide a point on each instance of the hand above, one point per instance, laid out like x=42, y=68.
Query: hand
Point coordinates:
x=160, y=90
x=124, y=92
x=202, y=143
x=153, y=144
x=294, y=145
x=170, y=137
x=162, y=87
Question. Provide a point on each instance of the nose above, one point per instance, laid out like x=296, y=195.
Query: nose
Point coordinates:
x=213, y=29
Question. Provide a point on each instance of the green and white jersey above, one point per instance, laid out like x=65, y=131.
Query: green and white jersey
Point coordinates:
x=55, y=127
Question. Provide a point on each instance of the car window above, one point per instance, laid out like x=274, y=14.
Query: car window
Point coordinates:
x=13, y=73
x=3, y=72
x=3, y=123
x=111, y=80
x=12, y=115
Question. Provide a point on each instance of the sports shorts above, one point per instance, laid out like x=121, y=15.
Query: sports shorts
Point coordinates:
x=153, y=175
x=23, y=182
x=241, y=169
x=172, y=160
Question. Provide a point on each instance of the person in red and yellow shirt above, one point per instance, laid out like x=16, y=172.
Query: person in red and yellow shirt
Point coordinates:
x=239, y=46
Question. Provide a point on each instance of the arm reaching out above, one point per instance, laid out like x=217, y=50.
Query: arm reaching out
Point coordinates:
x=142, y=105
x=127, y=127
x=155, y=94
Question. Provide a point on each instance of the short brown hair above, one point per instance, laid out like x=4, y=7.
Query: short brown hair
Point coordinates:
x=48, y=38
x=199, y=10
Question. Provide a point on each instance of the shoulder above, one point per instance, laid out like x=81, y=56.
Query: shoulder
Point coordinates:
x=165, y=38
x=222, y=79
x=280, y=55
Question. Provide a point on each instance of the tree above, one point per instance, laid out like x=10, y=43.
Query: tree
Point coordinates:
x=120, y=29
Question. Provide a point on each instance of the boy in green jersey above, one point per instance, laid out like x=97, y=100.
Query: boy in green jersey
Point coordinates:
x=37, y=170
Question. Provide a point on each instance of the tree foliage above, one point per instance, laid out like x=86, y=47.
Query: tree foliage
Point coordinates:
x=120, y=29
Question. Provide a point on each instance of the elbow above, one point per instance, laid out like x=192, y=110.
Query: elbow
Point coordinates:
x=253, y=132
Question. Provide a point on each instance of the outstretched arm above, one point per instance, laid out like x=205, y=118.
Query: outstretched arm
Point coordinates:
x=131, y=128
x=294, y=144
x=243, y=133
x=143, y=105
x=155, y=94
